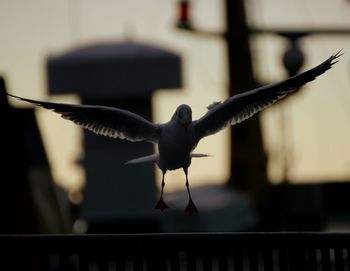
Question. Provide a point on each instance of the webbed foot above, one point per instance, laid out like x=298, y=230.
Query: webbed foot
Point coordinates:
x=161, y=205
x=191, y=208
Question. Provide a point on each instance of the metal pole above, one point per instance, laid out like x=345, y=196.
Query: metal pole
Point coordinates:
x=248, y=159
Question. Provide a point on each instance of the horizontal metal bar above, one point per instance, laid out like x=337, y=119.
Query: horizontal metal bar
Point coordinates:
x=286, y=32
x=302, y=31
x=182, y=241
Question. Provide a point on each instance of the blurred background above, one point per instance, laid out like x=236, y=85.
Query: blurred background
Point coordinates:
x=287, y=168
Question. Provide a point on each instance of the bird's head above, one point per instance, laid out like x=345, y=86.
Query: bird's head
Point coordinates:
x=183, y=115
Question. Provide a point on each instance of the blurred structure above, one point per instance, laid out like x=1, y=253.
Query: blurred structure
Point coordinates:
x=124, y=75
x=125, y=78
x=248, y=159
x=222, y=209
x=30, y=201
x=286, y=206
x=308, y=207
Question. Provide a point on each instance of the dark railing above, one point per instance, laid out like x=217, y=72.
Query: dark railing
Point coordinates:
x=152, y=252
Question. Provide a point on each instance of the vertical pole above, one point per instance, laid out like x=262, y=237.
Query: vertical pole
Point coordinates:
x=248, y=159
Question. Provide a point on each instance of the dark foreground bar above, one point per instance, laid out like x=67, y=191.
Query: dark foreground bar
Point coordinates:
x=152, y=252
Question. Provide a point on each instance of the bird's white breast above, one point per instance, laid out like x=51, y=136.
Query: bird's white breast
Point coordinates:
x=175, y=145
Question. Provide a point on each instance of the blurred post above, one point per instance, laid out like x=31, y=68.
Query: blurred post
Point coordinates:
x=117, y=198
x=30, y=203
x=248, y=159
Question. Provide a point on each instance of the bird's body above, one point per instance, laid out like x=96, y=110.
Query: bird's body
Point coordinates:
x=172, y=135
x=178, y=138
x=170, y=155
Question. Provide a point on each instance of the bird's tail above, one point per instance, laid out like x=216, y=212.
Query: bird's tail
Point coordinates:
x=149, y=158
x=199, y=155
x=154, y=158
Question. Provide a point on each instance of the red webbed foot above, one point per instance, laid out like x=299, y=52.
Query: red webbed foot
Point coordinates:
x=161, y=205
x=191, y=208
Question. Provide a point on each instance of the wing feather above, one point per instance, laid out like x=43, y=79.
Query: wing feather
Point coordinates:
x=243, y=106
x=103, y=120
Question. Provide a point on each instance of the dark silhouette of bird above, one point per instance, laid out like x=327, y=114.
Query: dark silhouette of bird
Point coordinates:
x=177, y=138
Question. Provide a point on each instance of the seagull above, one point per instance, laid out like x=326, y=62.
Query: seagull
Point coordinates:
x=177, y=138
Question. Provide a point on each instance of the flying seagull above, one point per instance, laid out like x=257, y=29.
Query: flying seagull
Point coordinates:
x=177, y=138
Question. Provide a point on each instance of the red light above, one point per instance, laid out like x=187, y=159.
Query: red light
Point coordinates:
x=184, y=13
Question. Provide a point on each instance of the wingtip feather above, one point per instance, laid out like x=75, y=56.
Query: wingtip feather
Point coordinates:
x=335, y=58
x=13, y=96
x=24, y=99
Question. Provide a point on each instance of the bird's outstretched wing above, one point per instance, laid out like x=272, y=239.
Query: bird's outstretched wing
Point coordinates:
x=103, y=120
x=242, y=106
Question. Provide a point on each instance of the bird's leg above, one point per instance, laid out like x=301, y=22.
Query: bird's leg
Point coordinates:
x=161, y=205
x=191, y=208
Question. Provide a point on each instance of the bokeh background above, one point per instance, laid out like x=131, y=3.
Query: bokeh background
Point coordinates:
x=305, y=138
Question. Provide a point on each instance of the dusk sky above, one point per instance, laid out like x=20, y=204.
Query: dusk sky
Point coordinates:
x=318, y=126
